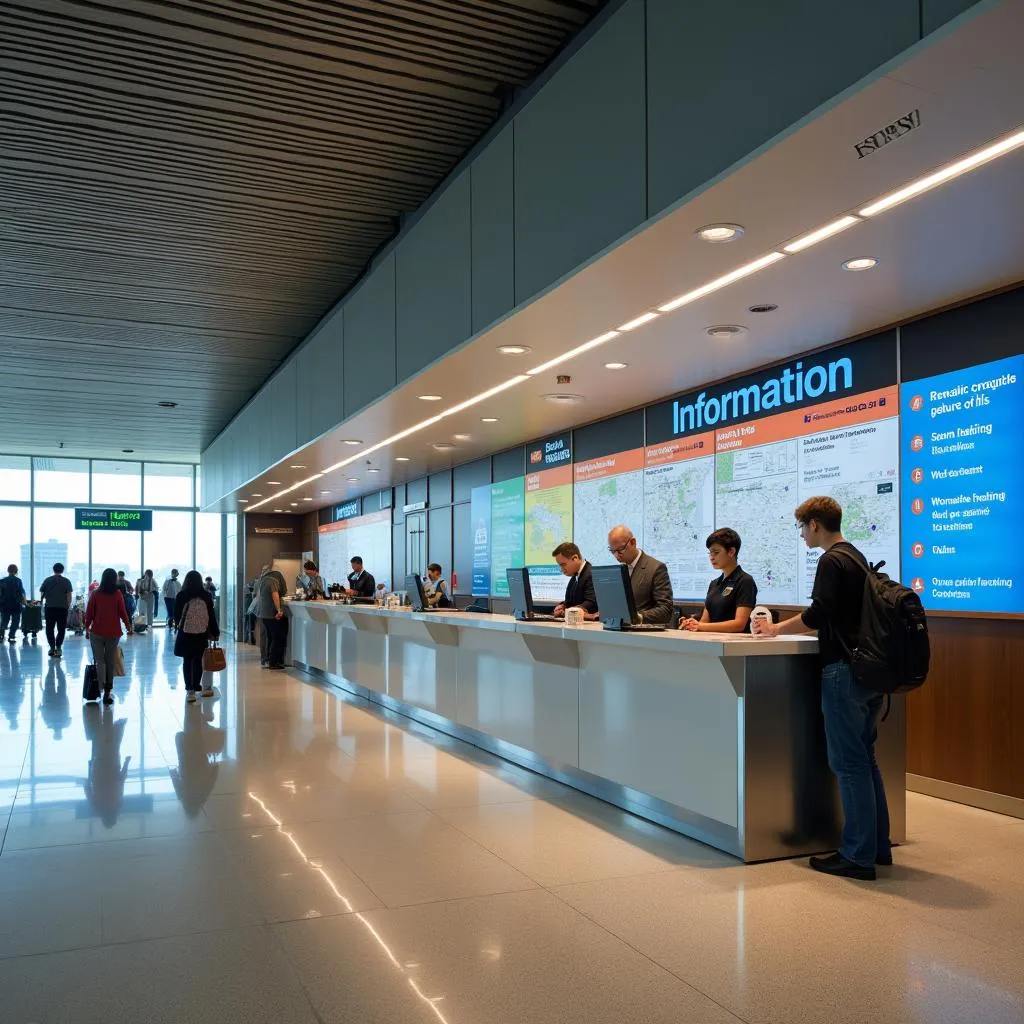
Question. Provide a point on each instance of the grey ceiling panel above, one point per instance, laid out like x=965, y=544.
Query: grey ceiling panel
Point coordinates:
x=186, y=187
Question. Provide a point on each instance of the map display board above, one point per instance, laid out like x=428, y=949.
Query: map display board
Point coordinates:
x=606, y=492
x=548, y=498
x=368, y=536
x=507, y=531
x=963, y=487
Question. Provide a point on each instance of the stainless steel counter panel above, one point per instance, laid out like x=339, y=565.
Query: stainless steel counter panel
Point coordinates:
x=716, y=736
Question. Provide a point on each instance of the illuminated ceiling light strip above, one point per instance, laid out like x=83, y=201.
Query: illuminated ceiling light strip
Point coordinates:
x=944, y=174
x=484, y=395
x=720, y=282
x=828, y=231
x=644, y=318
x=573, y=352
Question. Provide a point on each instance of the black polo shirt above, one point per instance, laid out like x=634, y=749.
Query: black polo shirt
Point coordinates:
x=727, y=593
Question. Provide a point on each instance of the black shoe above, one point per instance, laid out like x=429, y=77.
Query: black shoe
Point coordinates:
x=107, y=698
x=53, y=653
x=276, y=668
x=11, y=640
x=837, y=864
x=884, y=862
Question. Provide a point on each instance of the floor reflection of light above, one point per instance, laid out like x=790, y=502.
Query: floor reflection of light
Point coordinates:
x=431, y=1001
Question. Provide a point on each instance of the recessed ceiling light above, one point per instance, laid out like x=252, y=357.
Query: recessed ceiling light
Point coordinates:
x=373, y=471
x=296, y=467
x=863, y=263
x=274, y=483
x=353, y=479
x=325, y=492
x=255, y=495
x=562, y=399
x=488, y=419
x=725, y=330
x=463, y=437
x=243, y=501
x=443, y=446
x=615, y=366
x=429, y=398
x=278, y=509
x=719, y=232
x=401, y=458
x=644, y=318
x=763, y=307
x=167, y=405
x=307, y=499
x=294, y=503
x=351, y=440
x=514, y=350
x=128, y=451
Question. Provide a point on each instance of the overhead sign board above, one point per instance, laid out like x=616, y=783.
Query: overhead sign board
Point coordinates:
x=124, y=520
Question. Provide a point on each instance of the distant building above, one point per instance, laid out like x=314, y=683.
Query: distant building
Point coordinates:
x=47, y=552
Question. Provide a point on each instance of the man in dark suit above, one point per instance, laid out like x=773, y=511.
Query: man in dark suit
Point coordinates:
x=360, y=582
x=579, y=593
x=652, y=589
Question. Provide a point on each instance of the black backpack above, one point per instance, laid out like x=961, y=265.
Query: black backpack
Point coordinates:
x=892, y=651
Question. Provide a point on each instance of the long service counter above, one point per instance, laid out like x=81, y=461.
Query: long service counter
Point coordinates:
x=717, y=736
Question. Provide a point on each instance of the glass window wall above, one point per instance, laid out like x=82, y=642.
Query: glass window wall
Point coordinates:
x=16, y=530
x=65, y=481
x=169, y=546
x=57, y=540
x=116, y=483
x=15, y=477
x=168, y=484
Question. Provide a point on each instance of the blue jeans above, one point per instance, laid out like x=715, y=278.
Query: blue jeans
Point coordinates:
x=851, y=728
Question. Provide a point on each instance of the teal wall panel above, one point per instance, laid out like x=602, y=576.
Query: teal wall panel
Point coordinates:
x=369, y=343
x=935, y=13
x=724, y=78
x=319, y=395
x=580, y=156
x=433, y=281
x=493, y=230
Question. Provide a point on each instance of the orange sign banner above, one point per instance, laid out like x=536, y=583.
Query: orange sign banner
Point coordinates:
x=547, y=478
x=609, y=465
x=695, y=446
x=383, y=516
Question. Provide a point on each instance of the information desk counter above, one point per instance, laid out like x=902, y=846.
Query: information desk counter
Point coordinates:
x=716, y=736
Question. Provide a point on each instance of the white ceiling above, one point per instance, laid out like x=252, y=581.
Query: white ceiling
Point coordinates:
x=958, y=241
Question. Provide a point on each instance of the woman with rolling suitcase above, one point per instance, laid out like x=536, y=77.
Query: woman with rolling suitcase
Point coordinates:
x=104, y=614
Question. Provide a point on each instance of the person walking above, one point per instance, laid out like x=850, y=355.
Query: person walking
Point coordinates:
x=146, y=591
x=127, y=592
x=196, y=623
x=57, y=592
x=171, y=588
x=104, y=614
x=12, y=597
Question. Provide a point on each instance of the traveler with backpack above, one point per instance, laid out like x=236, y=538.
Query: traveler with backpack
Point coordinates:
x=12, y=597
x=196, y=623
x=873, y=641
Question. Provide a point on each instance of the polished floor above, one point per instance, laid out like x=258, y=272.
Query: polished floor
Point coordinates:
x=283, y=854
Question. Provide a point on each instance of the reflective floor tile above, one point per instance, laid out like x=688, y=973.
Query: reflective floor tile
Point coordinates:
x=515, y=957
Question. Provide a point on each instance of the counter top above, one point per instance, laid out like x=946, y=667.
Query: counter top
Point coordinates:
x=718, y=645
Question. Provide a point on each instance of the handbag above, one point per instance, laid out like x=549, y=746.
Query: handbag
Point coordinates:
x=214, y=659
x=119, y=662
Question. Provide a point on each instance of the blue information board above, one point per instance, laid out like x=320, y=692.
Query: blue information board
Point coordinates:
x=480, y=517
x=963, y=489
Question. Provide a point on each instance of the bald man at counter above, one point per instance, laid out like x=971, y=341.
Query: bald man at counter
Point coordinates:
x=652, y=588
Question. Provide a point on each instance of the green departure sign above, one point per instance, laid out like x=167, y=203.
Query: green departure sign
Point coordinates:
x=114, y=519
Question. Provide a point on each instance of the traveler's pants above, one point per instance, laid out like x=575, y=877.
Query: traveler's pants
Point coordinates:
x=169, y=605
x=56, y=624
x=192, y=648
x=103, y=648
x=146, y=608
x=13, y=617
x=274, y=640
x=851, y=728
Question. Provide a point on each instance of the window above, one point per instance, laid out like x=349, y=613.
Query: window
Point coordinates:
x=14, y=528
x=208, y=558
x=15, y=477
x=57, y=540
x=167, y=484
x=117, y=550
x=116, y=483
x=62, y=480
x=169, y=545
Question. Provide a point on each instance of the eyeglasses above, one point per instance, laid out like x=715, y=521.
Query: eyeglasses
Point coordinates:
x=619, y=549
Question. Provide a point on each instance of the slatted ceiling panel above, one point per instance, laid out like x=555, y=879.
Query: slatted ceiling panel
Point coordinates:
x=187, y=186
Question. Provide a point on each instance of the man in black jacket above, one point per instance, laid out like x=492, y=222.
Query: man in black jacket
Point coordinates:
x=360, y=582
x=579, y=593
x=652, y=589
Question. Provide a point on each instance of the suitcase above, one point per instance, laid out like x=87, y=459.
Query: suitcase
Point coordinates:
x=91, y=684
x=31, y=619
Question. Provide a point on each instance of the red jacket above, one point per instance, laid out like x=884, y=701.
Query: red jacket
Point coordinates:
x=104, y=614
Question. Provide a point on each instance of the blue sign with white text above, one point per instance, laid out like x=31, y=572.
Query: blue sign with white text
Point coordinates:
x=963, y=490
x=480, y=517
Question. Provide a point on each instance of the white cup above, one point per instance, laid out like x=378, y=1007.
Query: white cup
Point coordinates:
x=574, y=616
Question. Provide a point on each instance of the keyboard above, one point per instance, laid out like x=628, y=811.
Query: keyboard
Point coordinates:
x=644, y=627
x=544, y=618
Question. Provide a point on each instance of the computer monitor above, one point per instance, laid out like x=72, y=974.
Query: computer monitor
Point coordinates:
x=520, y=592
x=418, y=596
x=614, y=596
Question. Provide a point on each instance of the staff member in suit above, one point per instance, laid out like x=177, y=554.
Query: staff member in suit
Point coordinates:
x=579, y=592
x=732, y=597
x=652, y=589
x=360, y=582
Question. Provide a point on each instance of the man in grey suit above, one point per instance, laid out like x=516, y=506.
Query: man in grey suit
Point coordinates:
x=652, y=589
